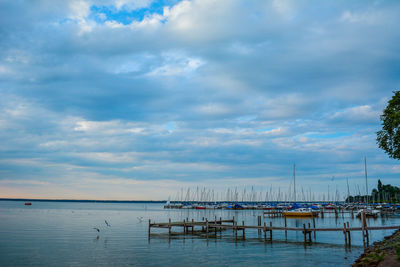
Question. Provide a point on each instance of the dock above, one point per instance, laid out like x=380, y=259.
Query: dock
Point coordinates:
x=209, y=227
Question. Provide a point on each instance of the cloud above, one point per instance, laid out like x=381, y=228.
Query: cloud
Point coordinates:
x=152, y=93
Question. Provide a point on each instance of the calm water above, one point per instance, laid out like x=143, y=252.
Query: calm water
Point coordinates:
x=62, y=234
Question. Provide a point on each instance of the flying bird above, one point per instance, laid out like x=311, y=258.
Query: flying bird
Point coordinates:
x=97, y=229
x=107, y=223
x=140, y=219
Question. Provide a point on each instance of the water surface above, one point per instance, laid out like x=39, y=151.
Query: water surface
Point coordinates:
x=62, y=234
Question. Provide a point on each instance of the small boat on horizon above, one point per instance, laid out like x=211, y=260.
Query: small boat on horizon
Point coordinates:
x=28, y=203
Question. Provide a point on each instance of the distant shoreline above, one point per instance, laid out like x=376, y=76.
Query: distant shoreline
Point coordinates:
x=83, y=200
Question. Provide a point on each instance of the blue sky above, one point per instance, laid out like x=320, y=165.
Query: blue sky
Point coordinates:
x=138, y=99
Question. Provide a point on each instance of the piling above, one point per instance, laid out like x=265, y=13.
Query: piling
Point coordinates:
x=259, y=224
x=315, y=232
x=348, y=233
x=366, y=229
x=244, y=229
x=149, y=226
x=207, y=228
x=286, y=228
x=235, y=230
x=169, y=226
x=265, y=232
x=270, y=230
x=304, y=232
x=345, y=233
x=362, y=226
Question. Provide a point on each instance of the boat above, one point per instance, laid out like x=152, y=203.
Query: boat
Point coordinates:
x=28, y=203
x=301, y=212
x=368, y=213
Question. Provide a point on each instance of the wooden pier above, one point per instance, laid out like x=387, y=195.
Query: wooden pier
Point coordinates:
x=213, y=226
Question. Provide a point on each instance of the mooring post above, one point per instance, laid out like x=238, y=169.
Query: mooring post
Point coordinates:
x=192, y=225
x=235, y=230
x=184, y=226
x=362, y=227
x=309, y=232
x=315, y=232
x=207, y=228
x=270, y=231
x=265, y=232
x=322, y=213
x=149, y=226
x=352, y=214
x=348, y=233
x=169, y=226
x=304, y=232
x=259, y=224
x=285, y=228
x=345, y=233
x=244, y=229
x=366, y=228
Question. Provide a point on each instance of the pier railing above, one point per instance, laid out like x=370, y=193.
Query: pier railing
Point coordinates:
x=213, y=226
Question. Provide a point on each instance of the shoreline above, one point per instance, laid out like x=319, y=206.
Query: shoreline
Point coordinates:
x=82, y=200
x=381, y=253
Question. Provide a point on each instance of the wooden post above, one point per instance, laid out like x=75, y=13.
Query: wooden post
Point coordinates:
x=259, y=224
x=322, y=213
x=270, y=231
x=244, y=235
x=169, y=226
x=315, y=232
x=285, y=228
x=366, y=229
x=235, y=230
x=184, y=226
x=352, y=214
x=304, y=232
x=207, y=228
x=149, y=226
x=265, y=232
x=362, y=227
x=348, y=233
x=345, y=233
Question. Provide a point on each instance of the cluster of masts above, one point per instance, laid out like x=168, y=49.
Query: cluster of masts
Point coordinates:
x=237, y=195
x=251, y=195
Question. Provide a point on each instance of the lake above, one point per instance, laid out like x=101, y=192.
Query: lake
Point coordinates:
x=62, y=234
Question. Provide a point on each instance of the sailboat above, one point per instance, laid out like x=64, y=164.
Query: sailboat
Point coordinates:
x=296, y=210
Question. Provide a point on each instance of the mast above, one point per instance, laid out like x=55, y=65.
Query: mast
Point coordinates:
x=366, y=177
x=348, y=190
x=294, y=181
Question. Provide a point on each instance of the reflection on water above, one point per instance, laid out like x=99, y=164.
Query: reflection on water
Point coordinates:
x=62, y=234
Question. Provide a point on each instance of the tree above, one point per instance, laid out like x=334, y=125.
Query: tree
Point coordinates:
x=379, y=185
x=388, y=138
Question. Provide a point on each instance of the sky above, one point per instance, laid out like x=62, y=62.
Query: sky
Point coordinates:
x=143, y=99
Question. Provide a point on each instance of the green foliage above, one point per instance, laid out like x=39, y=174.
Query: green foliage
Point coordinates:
x=374, y=258
x=388, y=138
x=384, y=193
x=398, y=252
